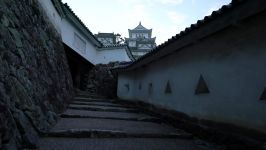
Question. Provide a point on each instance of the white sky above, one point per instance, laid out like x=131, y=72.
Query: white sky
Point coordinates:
x=165, y=17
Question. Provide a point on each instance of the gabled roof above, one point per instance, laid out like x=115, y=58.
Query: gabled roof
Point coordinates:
x=226, y=16
x=140, y=27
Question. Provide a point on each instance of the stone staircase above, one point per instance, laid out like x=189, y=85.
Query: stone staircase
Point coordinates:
x=93, y=122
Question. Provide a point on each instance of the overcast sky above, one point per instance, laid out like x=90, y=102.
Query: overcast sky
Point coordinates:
x=165, y=17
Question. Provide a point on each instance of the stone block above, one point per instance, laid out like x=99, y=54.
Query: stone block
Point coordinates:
x=29, y=135
x=5, y=21
x=17, y=37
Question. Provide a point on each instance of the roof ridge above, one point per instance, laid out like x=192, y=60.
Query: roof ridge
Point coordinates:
x=140, y=27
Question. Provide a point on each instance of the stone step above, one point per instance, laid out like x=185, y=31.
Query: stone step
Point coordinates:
x=101, y=108
x=130, y=127
x=96, y=133
x=118, y=144
x=143, y=119
x=98, y=104
x=83, y=92
x=122, y=115
x=94, y=100
x=90, y=96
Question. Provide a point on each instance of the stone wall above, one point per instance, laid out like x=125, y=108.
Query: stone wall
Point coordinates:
x=101, y=81
x=35, y=83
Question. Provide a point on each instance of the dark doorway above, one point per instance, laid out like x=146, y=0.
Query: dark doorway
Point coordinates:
x=78, y=67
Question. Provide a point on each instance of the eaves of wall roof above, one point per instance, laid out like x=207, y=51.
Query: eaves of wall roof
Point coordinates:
x=114, y=47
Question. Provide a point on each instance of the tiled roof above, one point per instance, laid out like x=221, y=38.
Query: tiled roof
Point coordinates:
x=140, y=27
x=105, y=34
x=117, y=46
x=160, y=51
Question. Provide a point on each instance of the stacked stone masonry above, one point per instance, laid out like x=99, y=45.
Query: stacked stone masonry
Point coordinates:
x=35, y=81
x=100, y=80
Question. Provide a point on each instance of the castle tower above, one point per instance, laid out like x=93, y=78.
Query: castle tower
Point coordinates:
x=140, y=41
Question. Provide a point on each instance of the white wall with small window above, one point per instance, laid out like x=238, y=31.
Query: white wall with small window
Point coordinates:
x=233, y=73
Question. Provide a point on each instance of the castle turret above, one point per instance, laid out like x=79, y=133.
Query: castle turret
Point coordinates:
x=140, y=40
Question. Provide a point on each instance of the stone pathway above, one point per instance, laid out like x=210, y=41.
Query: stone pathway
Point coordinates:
x=95, y=123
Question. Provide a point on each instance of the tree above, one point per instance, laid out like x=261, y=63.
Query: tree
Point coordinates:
x=119, y=39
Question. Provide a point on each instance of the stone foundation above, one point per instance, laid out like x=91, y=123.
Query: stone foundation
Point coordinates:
x=100, y=80
x=35, y=82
